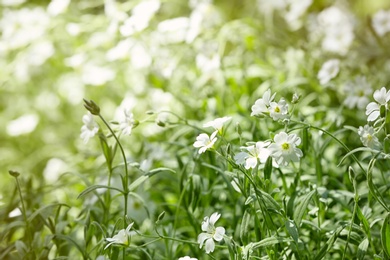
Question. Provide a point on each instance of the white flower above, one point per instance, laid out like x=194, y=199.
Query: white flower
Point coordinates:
x=337, y=27
x=90, y=127
x=284, y=149
x=57, y=7
x=373, y=108
x=367, y=136
x=257, y=152
x=278, y=110
x=217, y=123
x=381, y=22
x=22, y=125
x=187, y=258
x=122, y=238
x=126, y=122
x=261, y=105
x=211, y=233
x=328, y=71
x=357, y=91
x=204, y=142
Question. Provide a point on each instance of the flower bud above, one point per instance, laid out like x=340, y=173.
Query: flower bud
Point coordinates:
x=92, y=107
x=14, y=173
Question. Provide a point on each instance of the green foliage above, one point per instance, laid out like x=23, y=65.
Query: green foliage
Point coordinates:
x=251, y=116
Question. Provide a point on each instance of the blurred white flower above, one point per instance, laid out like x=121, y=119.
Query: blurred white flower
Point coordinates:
x=367, y=136
x=261, y=105
x=90, y=127
x=357, y=92
x=173, y=30
x=255, y=153
x=267, y=7
x=22, y=27
x=141, y=15
x=381, y=22
x=204, y=142
x=120, y=51
x=328, y=71
x=278, y=110
x=210, y=233
x=122, y=238
x=22, y=125
x=203, y=16
x=217, y=123
x=284, y=149
x=53, y=169
x=96, y=75
x=39, y=52
x=57, y=7
x=71, y=87
x=187, y=258
x=15, y=213
x=208, y=64
x=296, y=9
x=140, y=57
x=127, y=122
x=73, y=29
x=337, y=26
x=12, y=2
x=76, y=60
x=381, y=97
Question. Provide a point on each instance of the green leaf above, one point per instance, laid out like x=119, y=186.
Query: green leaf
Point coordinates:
x=292, y=229
x=95, y=187
x=138, y=182
x=360, y=149
x=244, y=230
x=302, y=207
x=362, y=249
x=385, y=235
x=269, y=241
x=158, y=170
x=268, y=168
x=45, y=211
x=269, y=201
x=373, y=190
x=329, y=244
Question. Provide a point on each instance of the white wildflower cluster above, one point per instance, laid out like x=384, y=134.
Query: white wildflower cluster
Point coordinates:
x=267, y=106
x=283, y=150
x=336, y=25
x=328, y=71
x=381, y=22
x=122, y=238
x=210, y=233
x=204, y=141
x=376, y=114
x=357, y=92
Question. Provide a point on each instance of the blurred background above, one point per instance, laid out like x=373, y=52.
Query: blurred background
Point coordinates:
x=199, y=58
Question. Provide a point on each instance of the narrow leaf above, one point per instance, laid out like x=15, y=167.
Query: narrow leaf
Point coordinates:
x=301, y=209
x=292, y=229
x=269, y=241
x=362, y=249
x=385, y=235
x=95, y=187
x=138, y=182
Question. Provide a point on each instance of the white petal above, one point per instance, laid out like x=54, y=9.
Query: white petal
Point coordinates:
x=214, y=217
x=373, y=116
x=202, y=237
x=210, y=245
x=219, y=233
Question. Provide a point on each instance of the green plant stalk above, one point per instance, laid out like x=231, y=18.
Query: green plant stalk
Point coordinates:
x=356, y=199
x=29, y=239
x=125, y=180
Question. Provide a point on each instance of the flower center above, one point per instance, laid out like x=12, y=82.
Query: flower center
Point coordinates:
x=369, y=137
x=277, y=109
x=285, y=146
